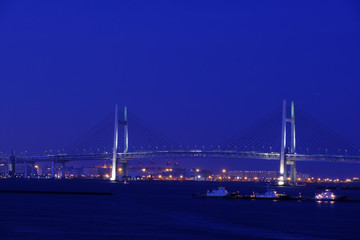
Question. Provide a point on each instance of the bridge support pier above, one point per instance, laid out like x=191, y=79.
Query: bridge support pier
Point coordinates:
x=63, y=170
x=32, y=174
x=25, y=170
x=52, y=169
x=125, y=169
x=11, y=165
x=292, y=171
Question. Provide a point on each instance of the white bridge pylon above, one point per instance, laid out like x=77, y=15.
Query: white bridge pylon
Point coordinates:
x=283, y=153
x=116, y=143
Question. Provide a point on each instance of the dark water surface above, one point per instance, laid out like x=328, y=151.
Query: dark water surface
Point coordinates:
x=166, y=210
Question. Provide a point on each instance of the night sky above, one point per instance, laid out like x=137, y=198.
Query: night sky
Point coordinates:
x=199, y=71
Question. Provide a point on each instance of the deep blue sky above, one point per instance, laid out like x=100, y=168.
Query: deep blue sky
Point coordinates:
x=197, y=70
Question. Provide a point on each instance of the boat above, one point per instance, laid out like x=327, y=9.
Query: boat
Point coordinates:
x=271, y=194
x=325, y=196
x=220, y=192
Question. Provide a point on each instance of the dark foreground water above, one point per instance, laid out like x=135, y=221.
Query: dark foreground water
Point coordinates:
x=166, y=210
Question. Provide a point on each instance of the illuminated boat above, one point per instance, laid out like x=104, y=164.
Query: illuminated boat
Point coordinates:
x=220, y=192
x=271, y=194
x=327, y=195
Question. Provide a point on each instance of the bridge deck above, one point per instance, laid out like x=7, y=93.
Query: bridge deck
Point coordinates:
x=123, y=157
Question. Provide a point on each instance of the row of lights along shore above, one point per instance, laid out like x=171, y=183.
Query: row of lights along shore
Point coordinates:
x=177, y=174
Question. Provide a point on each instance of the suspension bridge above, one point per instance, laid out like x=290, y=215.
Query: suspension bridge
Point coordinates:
x=279, y=136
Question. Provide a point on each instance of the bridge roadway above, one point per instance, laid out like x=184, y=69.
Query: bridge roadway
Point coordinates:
x=124, y=157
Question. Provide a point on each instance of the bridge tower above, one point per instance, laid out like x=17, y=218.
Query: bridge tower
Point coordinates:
x=11, y=165
x=118, y=123
x=283, y=161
